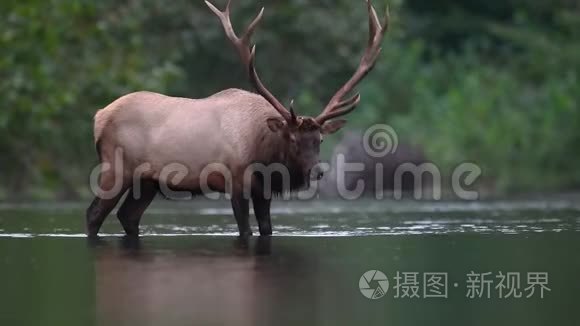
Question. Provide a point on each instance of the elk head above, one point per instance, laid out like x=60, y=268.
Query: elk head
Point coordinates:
x=304, y=133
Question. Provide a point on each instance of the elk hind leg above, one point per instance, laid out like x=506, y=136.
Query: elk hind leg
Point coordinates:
x=109, y=195
x=135, y=204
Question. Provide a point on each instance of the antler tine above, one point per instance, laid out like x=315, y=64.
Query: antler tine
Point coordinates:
x=367, y=63
x=350, y=102
x=255, y=79
x=224, y=17
x=347, y=107
x=343, y=108
x=248, y=53
x=292, y=112
x=242, y=44
x=250, y=31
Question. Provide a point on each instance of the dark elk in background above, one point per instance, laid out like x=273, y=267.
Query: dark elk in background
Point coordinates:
x=234, y=129
x=355, y=148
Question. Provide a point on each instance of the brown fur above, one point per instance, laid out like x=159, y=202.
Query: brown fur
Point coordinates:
x=233, y=128
x=145, y=125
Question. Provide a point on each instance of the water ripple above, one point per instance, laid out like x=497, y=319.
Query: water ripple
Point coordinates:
x=318, y=219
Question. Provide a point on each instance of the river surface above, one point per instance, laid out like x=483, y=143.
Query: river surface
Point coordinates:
x=444, y=263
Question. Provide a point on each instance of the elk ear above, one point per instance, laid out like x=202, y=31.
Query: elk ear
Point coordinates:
x=330, y=127
x=276, y=124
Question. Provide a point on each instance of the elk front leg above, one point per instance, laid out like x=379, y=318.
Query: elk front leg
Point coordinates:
x=241, y=207
x=262, y=212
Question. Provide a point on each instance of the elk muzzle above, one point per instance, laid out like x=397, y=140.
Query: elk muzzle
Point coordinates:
x=316, y=173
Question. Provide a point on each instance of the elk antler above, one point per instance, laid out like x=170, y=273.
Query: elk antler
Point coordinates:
x=248, y=55
x=337, y=106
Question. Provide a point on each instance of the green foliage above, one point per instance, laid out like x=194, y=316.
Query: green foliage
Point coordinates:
x=60, y=61
x=516, y=115
x=523, y=136
x=495, y=83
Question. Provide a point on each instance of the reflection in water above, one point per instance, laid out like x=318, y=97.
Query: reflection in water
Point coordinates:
x=188, y=269
x=210, y=284
x=312, y=281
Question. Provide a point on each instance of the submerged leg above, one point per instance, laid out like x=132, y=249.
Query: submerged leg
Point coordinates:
x=135, y=205
x=98, y=212
x=262, y=211
x=109, y=194
x=241, y=208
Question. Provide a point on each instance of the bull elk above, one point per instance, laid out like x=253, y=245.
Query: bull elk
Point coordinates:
x=233, y=128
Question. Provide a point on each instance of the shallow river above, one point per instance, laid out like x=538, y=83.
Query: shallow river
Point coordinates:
x=484, y=263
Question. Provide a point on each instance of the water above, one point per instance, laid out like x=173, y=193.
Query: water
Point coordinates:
x=189, y=268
